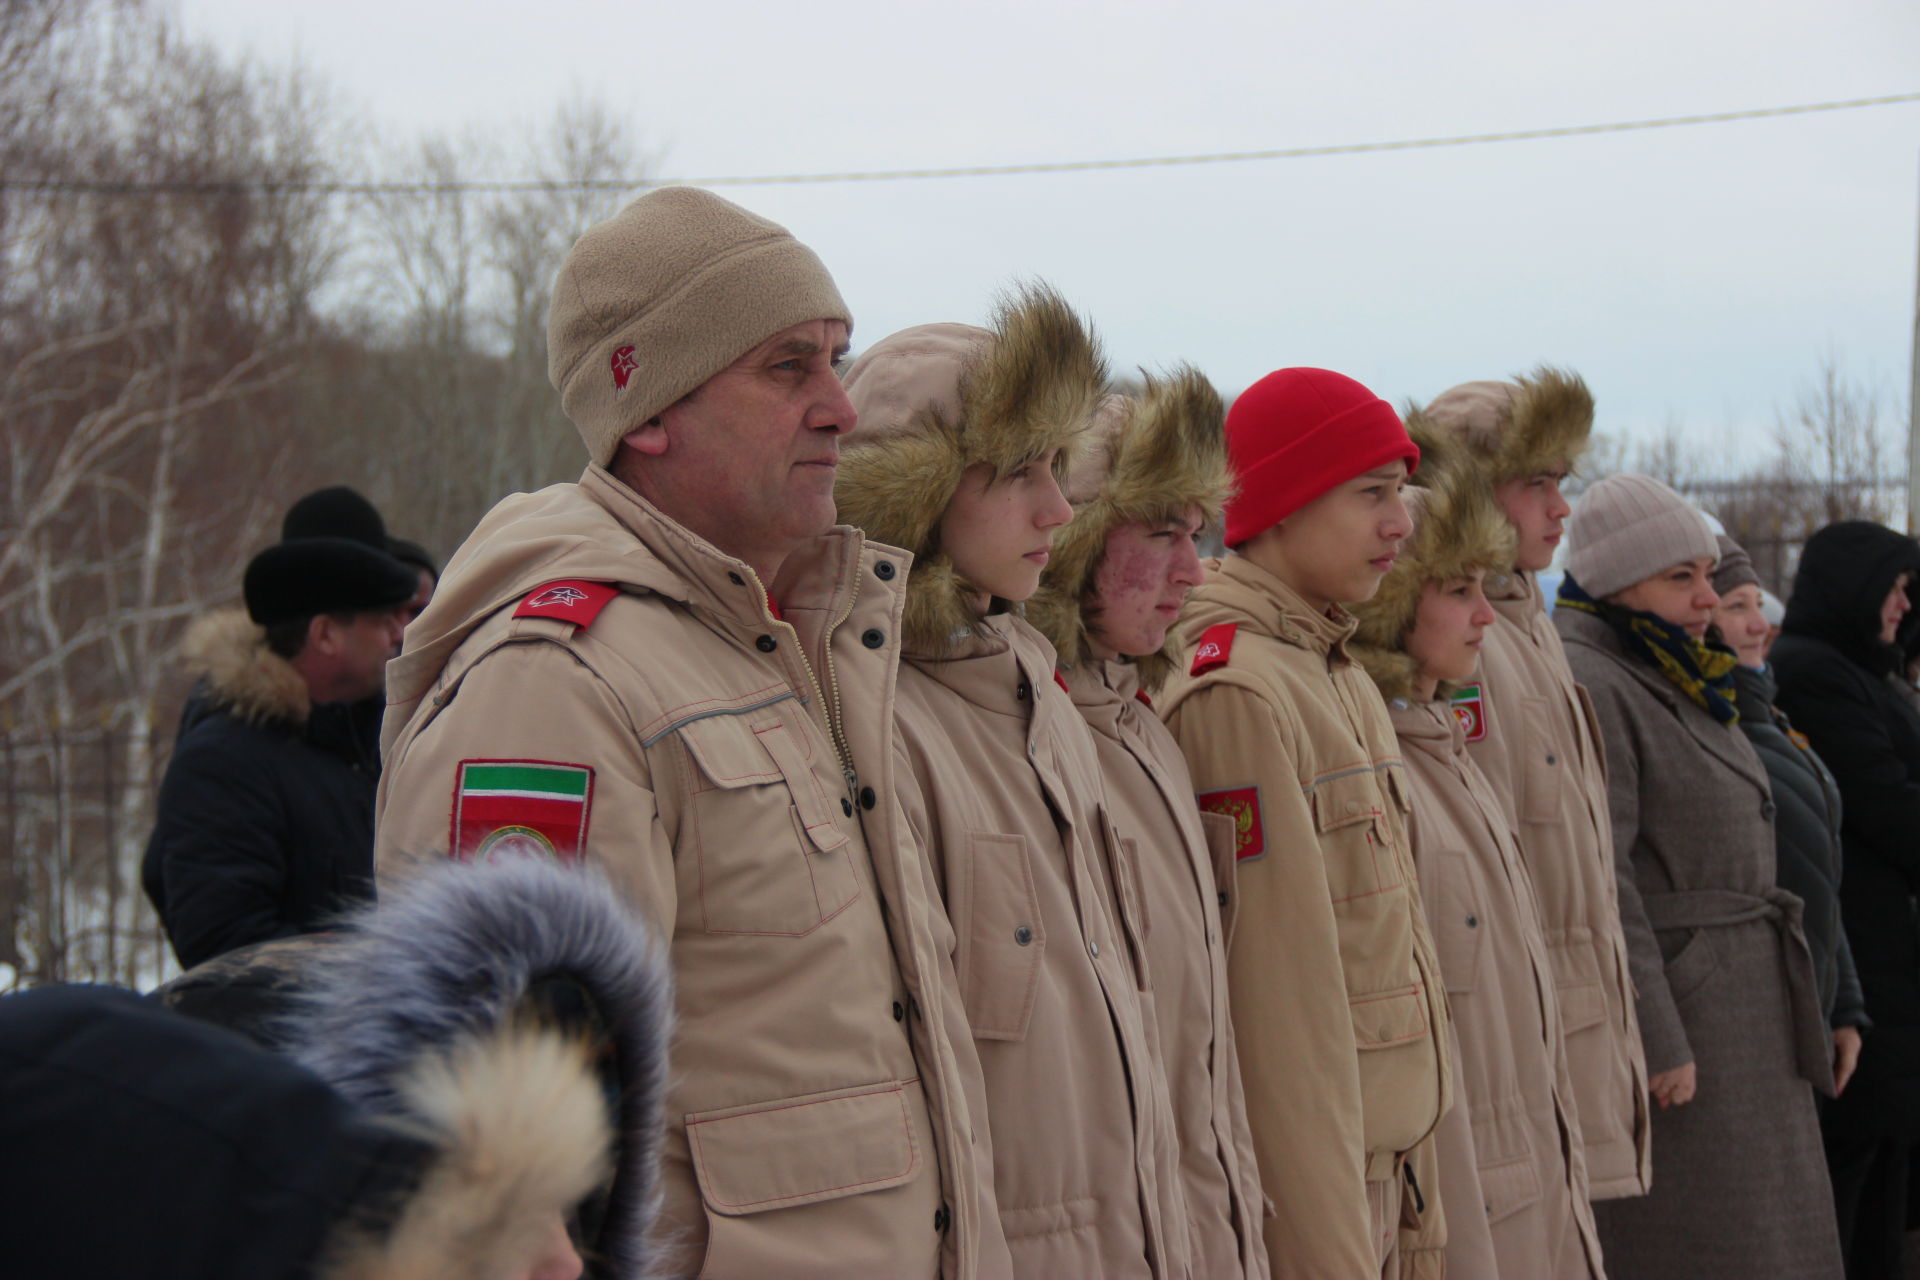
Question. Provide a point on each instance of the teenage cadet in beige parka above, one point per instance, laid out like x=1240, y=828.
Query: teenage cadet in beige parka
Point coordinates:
x=1338, y=1010
x=681, y=668
x=1729, y=1005
x=1152, y=478
x=1511, y=1143
x=1530, y=730
x=963, y=432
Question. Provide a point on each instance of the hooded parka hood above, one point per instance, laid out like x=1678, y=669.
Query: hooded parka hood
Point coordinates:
x=1150, y=459
x=1845, y=573
x=1458, y=530
x=936, y=399
x=1538, y=422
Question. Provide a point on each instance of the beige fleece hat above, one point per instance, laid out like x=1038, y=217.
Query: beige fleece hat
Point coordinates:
x=1627, y=528
x=663, y=295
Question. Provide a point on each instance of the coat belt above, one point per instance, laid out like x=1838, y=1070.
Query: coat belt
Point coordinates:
x=1718, y=908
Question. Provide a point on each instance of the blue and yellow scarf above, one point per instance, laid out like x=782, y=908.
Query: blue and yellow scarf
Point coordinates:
x=1701, y=669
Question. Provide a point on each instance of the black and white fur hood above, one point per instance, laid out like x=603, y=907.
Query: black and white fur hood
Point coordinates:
x=518, y=1015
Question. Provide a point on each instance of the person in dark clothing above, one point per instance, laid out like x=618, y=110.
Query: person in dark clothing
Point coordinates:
x=1806, y=827
x=264, y=822
x=470, y=1090
x=1843, y=636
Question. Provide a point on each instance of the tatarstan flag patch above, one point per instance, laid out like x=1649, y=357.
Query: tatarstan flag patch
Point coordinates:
x=520, y=806
x=1242, y=804
x=1470, y=709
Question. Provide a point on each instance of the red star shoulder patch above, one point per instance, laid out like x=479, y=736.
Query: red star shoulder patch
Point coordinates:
x=520, y=806
x=572, y=600
x=1242, y=804
x=1214, y=649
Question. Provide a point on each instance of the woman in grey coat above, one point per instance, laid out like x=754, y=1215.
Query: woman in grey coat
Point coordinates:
x=1729, y=1008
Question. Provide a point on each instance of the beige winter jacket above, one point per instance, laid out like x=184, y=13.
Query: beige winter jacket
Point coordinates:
x=1522, y=1146
x=1537, y=744
x=1182, y=860
x=1336, y=999
x=739, y=788
x=1001, y=787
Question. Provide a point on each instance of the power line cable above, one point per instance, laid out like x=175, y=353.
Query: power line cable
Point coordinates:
x=158, y=187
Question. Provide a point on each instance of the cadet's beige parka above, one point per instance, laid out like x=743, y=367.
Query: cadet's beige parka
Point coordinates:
x=1001, y=788
x=1535, y=739
x=735, y=778
x=1338, y=1009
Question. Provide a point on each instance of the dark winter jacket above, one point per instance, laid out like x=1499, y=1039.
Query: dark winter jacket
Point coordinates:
x=1833, y=672
x=1806, y=840
x=264, y=823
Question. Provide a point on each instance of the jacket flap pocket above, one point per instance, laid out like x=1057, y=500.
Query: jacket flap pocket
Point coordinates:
x=822, y=1146
x=1223, y=842
x=1508, y=1187
x=1388, y=1018
x=1344, y=799
x=728, y=753
x=1456, y=918
x=1576, y=980
x=995, y=908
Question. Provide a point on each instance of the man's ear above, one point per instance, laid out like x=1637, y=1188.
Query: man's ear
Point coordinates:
x=649, y=438
x=323, y=634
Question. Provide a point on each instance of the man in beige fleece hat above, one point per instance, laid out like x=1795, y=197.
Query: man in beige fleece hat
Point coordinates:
x=682, y=669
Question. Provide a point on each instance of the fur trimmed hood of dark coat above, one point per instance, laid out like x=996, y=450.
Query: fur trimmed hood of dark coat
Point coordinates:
x=228, y=651
x=1150, y=459
x=1538, y=422
x=1458, y=529
x=517, y=1016
x=936, y=399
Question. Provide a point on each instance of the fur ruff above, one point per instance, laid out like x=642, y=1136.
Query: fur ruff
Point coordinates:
x=1031, y=388
x=243, y=676
x=416, y=1007
x=1166, y=452
x=1458, y=529
x=1544, y=423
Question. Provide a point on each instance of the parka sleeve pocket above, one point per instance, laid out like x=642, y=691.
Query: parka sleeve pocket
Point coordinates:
x=1349, y=812
x=767, y=856
x=796, y=1151
x=1458, y=921
x=1001, y=938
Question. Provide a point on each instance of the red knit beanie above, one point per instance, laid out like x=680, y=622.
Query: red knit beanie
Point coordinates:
x=1297, y=433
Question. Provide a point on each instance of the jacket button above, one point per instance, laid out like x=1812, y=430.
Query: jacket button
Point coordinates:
x=1023, y=691
x=1550, y=758
x=1223, y=897
x=899, y=1012
x=867, y=798
x=940, y=1218
x=884, y=571
x=736, y=579
x=1473, y=922
x=1767, y=810
x=1094, y=947
x=1023, y=935
x=846, y=806
x=767, y=644
x=873, y=637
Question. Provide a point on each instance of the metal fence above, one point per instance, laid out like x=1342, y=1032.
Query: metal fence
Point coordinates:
x=75, y=810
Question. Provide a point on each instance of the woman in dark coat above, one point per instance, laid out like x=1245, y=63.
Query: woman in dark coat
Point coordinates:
x=1806, y=797
x=1729, y=1011
x=1841, y=640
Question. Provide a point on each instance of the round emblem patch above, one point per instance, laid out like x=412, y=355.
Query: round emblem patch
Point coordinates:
x=512, y=842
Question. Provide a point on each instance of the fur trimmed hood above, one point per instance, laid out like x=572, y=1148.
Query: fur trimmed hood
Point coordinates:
x=936, y=399
x=229, y=651
x=1149, y=459
x=1458, y=528
x=1538, y=422
x=516, y=1016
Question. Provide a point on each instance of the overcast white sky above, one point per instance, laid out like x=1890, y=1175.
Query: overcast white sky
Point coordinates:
x=1692, y=275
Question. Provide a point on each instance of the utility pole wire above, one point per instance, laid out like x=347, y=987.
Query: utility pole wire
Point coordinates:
x=161, y=187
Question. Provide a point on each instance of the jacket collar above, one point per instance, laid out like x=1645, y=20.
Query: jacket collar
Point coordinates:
x=243, y=676
x=990, y=670
x=1429, y=727
x=1240, y=591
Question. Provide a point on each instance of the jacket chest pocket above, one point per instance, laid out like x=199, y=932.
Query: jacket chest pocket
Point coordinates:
x=1001, y=939
x=1350, y=814
x=1543, y=774
x=1223, y=839
x=769, y=856
x=1129, y=896
x=1459, y=925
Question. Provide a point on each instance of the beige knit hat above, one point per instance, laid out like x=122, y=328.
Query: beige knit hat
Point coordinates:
x=663, y=295
x=1628, y=528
